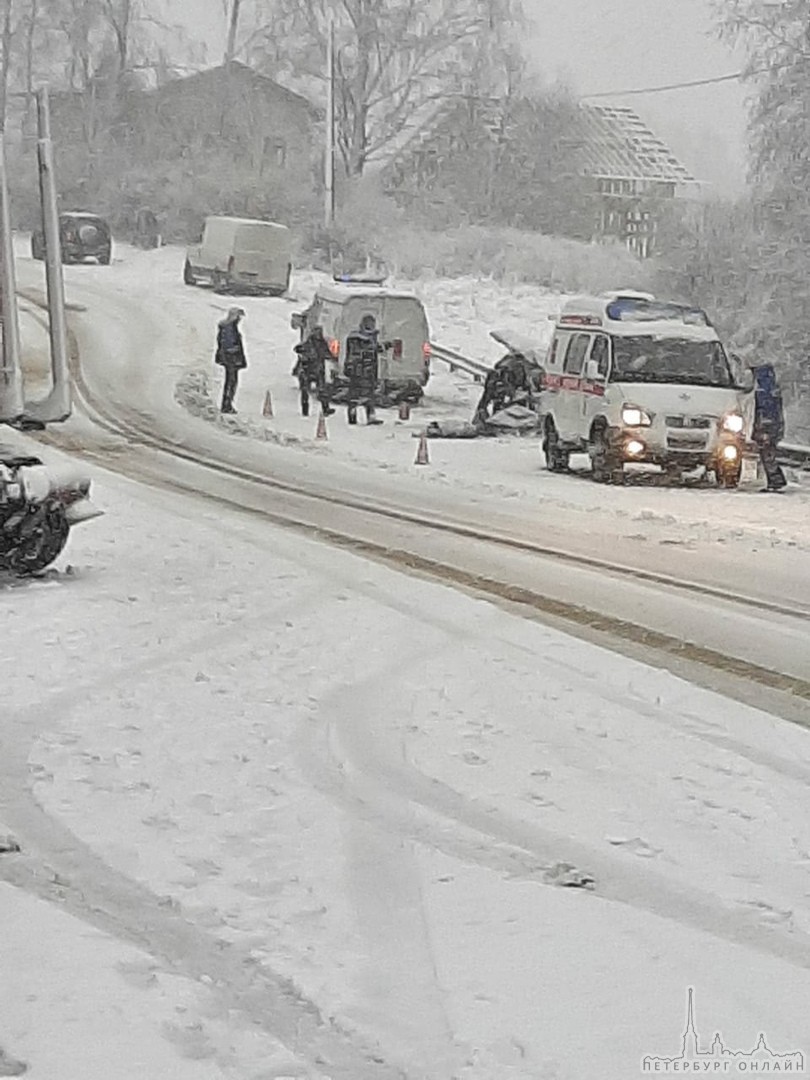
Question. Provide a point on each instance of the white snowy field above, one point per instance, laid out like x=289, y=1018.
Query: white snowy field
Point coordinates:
x=361, y=782
x=157, y=329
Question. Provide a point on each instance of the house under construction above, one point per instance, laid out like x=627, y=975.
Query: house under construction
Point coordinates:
x=605, y=155
x=633, y=173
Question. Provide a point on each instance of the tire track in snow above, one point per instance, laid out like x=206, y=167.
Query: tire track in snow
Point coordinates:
x=351, y=762
x=59, y=867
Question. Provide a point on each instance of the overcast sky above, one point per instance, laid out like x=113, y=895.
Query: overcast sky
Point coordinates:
x=607, y=45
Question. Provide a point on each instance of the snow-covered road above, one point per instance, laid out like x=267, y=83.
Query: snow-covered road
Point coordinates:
x=328, y=803
x=365, y=821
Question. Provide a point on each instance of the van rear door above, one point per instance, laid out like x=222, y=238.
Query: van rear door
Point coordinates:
x=262, y=255
x=404, y=322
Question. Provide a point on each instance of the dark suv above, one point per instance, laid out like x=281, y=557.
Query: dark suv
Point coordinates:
x=84, y=236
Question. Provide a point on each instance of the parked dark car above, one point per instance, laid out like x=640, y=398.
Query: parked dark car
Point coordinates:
x=84, y=236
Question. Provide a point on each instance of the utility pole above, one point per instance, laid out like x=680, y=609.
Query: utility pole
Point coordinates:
x=329, y=160
x=230, y=48
x=57, y=405
x=11, y=389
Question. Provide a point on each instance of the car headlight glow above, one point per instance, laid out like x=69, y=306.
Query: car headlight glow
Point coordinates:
x=730, y=453
x=634, y=448
x=633, y=416
x=733, y=423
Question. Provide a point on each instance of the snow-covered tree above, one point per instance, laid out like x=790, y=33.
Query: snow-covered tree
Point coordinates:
x=776, y=34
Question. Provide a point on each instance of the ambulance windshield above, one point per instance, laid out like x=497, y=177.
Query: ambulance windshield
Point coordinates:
x=670, y=360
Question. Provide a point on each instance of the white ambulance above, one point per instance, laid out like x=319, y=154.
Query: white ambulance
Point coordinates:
x=633, y=379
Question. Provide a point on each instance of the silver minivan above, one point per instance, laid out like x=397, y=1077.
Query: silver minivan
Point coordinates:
x=339, y=306
x=241, y=255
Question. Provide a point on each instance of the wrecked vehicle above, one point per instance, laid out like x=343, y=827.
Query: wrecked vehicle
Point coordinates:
x=38, y=507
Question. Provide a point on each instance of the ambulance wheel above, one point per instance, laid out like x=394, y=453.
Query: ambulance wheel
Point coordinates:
x=606, y=465
x=556, y=457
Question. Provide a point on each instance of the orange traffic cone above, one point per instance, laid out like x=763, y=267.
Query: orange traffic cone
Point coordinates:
x=320, y=432
x=404, y=410
x=422, y=457
x=267, y=408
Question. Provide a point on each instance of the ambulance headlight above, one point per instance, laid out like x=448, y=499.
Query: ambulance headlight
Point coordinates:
x=634, y=448
x=730, y=453
x=633, y=416
x=733, y=423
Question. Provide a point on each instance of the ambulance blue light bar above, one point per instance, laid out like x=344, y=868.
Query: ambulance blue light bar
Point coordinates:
x=350, y=279
x=632, y=309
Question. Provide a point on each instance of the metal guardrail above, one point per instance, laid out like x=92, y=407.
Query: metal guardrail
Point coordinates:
x=793, y=455
x=457, y=362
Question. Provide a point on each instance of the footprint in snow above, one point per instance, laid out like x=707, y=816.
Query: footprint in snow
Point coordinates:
x=471, y=758
x=635, y=845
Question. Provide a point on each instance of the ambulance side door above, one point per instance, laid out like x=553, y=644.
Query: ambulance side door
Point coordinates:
x=593, y=385
x=570, y=419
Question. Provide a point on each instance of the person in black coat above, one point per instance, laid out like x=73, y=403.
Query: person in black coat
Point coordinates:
x=362, y=369
x=230, y=355
x=769, y=424
x=310, y=370
x=508, y=381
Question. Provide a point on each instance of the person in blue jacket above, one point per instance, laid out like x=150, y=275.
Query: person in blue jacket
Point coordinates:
x=769, y=424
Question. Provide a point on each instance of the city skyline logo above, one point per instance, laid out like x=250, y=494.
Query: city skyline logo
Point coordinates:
x=719, y=1060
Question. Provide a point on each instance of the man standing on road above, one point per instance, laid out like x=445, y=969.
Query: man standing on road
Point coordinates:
x=769, y=424
x=310, y=370
x=362, y=369
x=230, y=355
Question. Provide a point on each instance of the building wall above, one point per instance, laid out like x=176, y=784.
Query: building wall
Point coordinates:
x=222, y=141
x=232, y=113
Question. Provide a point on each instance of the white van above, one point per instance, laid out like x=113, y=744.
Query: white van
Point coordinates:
x=339, y=306
x=241, y=255
x=633, y=379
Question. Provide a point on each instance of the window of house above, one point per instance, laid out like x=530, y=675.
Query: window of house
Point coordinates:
x=274, y=153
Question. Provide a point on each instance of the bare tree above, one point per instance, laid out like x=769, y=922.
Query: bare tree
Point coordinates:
x=394, y=58
x=4, y=76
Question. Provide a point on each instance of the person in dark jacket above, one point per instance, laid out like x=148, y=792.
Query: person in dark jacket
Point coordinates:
x=508, y=381
x=310, y=370
x=230, y=355
x=769, y=424
x=362, y=369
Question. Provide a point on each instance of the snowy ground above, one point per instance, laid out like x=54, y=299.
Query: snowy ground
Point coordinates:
x=373, y=817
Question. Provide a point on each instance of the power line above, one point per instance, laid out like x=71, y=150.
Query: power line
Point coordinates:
x=669, y=86
x=695, y=82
